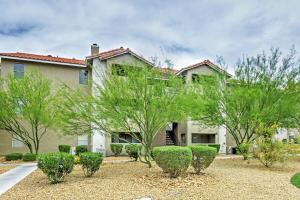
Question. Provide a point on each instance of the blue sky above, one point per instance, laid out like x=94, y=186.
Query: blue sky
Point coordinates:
x=184, y=31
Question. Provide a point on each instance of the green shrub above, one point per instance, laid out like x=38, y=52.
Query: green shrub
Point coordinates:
x=297, y=140
x=244, y=150
x=13, y=156
x=270, y=151
x=284, y=140
x=29, y=157
x=295, y=180
x=64, y=148
x=203, y=156
x=90, y=162
x=116, y=148
x=217, y=146
x=173, y=159
x=133, y=150
x=56, y=165
x=81, y=149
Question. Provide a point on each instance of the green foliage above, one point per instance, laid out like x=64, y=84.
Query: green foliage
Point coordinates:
x=268, y=149
x=174, y=160
x=27, y=100
x=29, y=157
x=297, y=140
x=13, y=156
x=81, y=149
x=134, y=92
x=244, y=150
x=76, y=160
x=64, y=148
x=263, y=90
x=56, y=165
x=133, y=150
x=116, y=148
x=203, y=156
x=284, y=140
x=90, y=162
x=217, y=146
x=295, y=180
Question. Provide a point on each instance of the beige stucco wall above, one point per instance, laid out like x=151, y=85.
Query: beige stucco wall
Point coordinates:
x=58, y=74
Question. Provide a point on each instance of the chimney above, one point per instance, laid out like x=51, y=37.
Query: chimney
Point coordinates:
x=94, y=49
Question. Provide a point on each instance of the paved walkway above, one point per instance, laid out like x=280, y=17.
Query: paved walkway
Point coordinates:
x=13, y=176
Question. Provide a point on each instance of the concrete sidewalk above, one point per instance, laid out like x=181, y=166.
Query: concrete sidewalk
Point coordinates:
x=13, y=176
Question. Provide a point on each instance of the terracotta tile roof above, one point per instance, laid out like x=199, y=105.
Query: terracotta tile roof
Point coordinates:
x=116, y=52
x=48, y=58
x=168, y=70
x=205, y=62
x=111, y=53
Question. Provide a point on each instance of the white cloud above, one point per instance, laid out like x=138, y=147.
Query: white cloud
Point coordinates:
x=188, y=31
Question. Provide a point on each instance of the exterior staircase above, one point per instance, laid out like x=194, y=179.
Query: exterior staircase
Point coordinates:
x=169, y=139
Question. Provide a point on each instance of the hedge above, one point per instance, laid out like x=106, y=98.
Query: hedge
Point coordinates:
x=174, y=160
x=64, y=148
x=29, y=157
x=116, y=149
x=56, y=165
x=203, y=156
x=13, y=156
x=91, y=162
x=217, y=146
x=81, y=149
x=133, y=150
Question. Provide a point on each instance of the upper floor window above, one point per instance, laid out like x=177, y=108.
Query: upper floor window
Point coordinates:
x=83, y=76
x=18, y=70
x=195, y=78
x=118, y=70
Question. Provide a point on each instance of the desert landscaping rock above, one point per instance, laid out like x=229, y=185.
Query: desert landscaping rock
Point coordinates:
x=224, y=179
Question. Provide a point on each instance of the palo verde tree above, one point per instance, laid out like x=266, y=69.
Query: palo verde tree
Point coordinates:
x=263, y=90
x=137, y=99
x=27, y=108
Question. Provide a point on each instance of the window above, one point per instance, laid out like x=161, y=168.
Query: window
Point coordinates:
x=18, y=70
x=15, y=143
x=123, y=138
x=203, y=138
x=83, y=76
x=195, y=78
x=83, y=140
x=118, y=70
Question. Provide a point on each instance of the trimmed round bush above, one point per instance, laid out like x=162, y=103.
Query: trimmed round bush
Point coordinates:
x=29, y=157
x=217, y=146
x=203, y=156
x=91, y=162
x=116, y=149
x=56, y=165
x=81, y=149
x=133, y=150
x=174, y=160
x=13, y=156
x=64, y=148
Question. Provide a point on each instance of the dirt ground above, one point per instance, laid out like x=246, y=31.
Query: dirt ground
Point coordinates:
x=4, y=169
x=224, y=179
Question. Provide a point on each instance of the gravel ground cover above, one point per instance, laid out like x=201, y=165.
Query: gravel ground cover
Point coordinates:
x=4, y=169
x=224, y=179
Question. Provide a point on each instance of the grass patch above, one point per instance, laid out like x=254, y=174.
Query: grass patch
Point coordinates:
x=295, y=180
